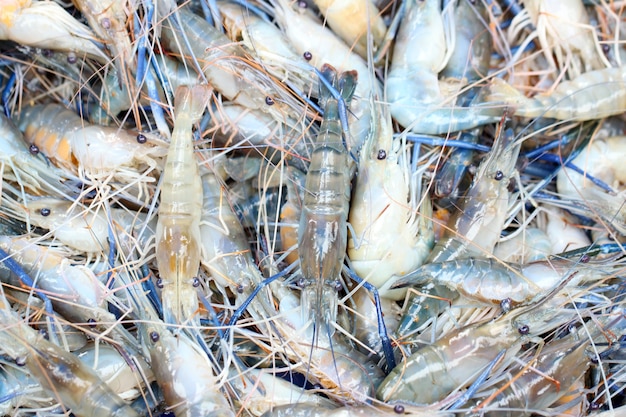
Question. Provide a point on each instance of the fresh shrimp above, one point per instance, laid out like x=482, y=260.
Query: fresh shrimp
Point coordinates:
x=558, y=367
x=434, y=371
x=475, y=228
x=309, y=37
x=416, y=97
x=306, y=410
x=56, y=29
x=386, y=202
x=323, y=232
x=77, y=294
x=86, y=229
x=490, y=281
x=77, y=387
x=178, y=226
x=356, y=22
x=225, y=250
x=24, y=167
x=71, y=143
x=227, y=66
x=108, y=19
x=601, y=159
x=563, y=31
x=592, y=95
x=271, y=47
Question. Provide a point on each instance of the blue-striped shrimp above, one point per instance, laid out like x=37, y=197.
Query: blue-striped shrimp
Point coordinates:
x=323, y=232
x=180, y=209
x=559, y=366
x=390, y=219
x=592, y=95
x=417, y=99
x=434, y=371
x=56, y=29
x=76, y=386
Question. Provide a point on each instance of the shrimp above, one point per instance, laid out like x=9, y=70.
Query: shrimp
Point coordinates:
x=25, y=168
x=564, y=32
x=178, y=226
x=77, y=387
x=322, y=46
x=386, y=202
x=602, y=160
x=227, y=66
x=558, y=367
x=306, y=410
x=415, y=95
x=323, y=232
x=592, y=95
x=434, y=371
x=56, y=29
x=490, y=281
x=356, y=22
x=78, y=295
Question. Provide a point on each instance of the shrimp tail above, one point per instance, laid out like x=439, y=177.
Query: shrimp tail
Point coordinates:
x=191, y=101
x=344, y=84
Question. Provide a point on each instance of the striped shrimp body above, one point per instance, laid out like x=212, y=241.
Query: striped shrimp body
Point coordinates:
x=434, y=371
x=76, y=386
x=178, y=225
x=601, y=159
x=489, y=281
x=56, y=29
x=73, y=144
x=386, y=202
x=417, y=98
x=25, y=168
x=323, y=233
x=592, y=95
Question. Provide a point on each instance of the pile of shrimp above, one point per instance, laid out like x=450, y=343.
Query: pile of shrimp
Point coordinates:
x=312, y=208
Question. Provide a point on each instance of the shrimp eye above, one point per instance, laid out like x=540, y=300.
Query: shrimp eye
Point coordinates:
x=47, y=53
x=317, y=386
x=594, y=406
x=20, y=361
x=142, y=138
x=92, y=323
x=196, y=282
x=159, y=283
x=307, y=55
x=381, y=154
x=154, y=336
x=523, y=329
x=71, y=58
x=505, y=305
x=44, y=212
x=584, y=259
x=240, y=288
x=44, y=334
x=606, y=48
x=398, y=409
x=303, y=4
x=269, y=101
x=33, y=149
x=338, y=286
x=106, y=23
x=499, y=175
